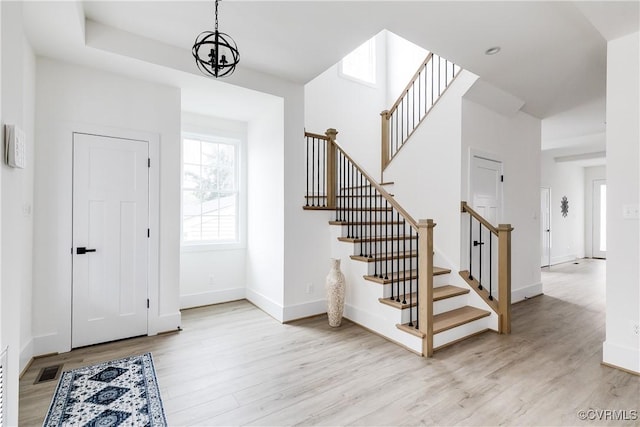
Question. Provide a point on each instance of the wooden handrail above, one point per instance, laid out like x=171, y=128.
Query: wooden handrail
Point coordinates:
x=377, y=186
x=411, y=81
x=464, y=207
x=316, y=135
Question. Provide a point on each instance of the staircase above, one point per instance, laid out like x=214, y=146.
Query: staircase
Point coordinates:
x=393, y=286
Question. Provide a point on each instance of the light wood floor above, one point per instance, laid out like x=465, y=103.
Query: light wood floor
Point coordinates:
x=234, y=365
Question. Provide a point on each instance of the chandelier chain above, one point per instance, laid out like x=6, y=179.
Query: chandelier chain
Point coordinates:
x=216, y=27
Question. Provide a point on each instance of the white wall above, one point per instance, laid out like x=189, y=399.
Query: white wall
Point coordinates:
x=427, y=170
x=622, y=346
x=515, y=140
x=69, y=96
x=403, y=59
x=567, y=233
x=216, y=273
x=18, y=100
x=266, y=203
x=590, y=174
x=353, y=108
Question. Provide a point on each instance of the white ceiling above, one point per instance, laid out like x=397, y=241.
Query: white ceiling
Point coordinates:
x=553, y=54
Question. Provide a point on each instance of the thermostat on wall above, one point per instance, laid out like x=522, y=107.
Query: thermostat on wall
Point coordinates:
x=14, y=146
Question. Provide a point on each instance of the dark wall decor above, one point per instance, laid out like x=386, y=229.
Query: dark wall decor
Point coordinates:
x=564, y=206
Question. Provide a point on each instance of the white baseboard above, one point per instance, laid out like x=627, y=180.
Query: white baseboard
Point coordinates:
x=266, y=304
x=526, y=292
x=26, y=354
x=306, y=309
x=49, y=344
x=626, y=358
x=562, y=259
x=211, y=297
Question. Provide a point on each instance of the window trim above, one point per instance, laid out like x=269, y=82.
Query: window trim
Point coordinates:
x=223, y=137
x=373, y=49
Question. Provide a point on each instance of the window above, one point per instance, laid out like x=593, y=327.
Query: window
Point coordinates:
x=210, y=199
x=360, y=64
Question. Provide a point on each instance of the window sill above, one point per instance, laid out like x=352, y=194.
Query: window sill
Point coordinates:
x=211, y=247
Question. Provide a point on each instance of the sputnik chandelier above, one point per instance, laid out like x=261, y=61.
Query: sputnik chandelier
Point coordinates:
x=216, y=53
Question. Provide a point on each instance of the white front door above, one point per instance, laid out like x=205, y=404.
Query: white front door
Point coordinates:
x=486, y=199
x=599, y=240
x=110, y=238
x=545, y=227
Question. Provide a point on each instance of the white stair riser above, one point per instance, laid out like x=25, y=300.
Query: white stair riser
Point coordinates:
x=449, y=304
x=460, y=332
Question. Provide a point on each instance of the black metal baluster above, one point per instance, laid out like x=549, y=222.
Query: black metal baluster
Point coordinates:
x=404, y=261
x=396, y=255
x=470, y=247
x=417, y=281
x=372, y=217
x=386, y=238
x=490, y=266
x=318, y=173
x=419, y=94
x=342, y=186
x=360, y=212
x=324, y=175
x=410, y=236
x=389, y=259
x=433, y=80
x=313, y=170
x=480, y=251
x=353, y=200
x=439, y=72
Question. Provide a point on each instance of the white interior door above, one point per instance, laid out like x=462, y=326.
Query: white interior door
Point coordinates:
x=110, y=238
x=486, y=199
x=545, y=227
x=599, y=219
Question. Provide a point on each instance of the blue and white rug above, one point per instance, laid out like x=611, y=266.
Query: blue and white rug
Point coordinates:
x=121, y=392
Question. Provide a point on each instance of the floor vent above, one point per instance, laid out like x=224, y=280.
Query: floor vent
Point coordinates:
x=50, y=373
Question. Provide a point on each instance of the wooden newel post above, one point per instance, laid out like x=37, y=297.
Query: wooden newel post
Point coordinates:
x=425, y=284
x=384, y=155
x=331, y=167
x=504, y=277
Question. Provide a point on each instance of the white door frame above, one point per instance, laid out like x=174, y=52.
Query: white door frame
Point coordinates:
x=548, y=261
x=595, y=225
x=153, y=317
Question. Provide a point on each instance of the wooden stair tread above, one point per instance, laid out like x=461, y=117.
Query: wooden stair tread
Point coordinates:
x=333, y=222
x=318, y=208
x=404, y=275
x=439, y=293
x=410, y=330
x=375, y=239
x=448, y=320
x=460, y=316
x=448, y=291
x=365, y=209
x=385, y=257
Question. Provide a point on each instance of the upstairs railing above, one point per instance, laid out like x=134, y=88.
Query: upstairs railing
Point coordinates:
x=489, y=272
x=400, y=248
x=426, y=87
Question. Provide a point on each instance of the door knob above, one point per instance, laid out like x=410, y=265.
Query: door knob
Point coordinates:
x=83, y=250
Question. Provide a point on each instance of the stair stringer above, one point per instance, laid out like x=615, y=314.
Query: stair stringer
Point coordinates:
x=361, y=298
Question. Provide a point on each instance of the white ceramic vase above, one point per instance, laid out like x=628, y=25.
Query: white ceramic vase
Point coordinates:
x=335, y=293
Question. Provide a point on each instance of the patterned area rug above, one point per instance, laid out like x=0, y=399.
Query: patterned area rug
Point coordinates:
x=120, y=392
